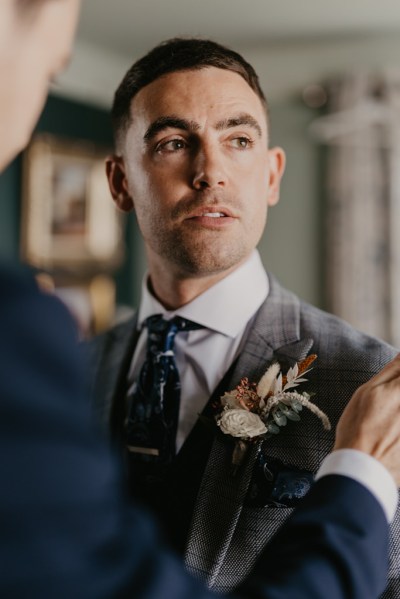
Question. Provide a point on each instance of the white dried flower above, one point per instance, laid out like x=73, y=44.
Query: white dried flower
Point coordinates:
x=267, y=380
x=241, y=423
x=278, y=385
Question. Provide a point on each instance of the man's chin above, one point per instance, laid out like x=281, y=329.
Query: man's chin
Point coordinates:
x=209, y=263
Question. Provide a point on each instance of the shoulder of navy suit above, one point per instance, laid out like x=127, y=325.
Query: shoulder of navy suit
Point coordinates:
x=56, y=502
x=16, y=278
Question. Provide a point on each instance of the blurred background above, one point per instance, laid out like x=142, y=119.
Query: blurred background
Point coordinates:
x=331, y=73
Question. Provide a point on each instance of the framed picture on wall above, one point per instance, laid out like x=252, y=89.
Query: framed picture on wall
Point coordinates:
x=69, y=219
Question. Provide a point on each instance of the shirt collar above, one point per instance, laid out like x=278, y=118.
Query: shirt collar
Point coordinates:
x=226, y=307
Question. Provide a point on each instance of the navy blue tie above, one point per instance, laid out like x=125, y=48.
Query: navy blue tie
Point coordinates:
x=153, y=404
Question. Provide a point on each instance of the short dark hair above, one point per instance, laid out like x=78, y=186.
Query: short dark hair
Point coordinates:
x=177, y=54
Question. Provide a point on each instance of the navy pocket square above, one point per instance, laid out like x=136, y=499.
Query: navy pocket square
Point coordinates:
x=275, y=484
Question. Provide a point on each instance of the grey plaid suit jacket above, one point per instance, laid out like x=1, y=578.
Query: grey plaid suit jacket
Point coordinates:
x=227, y=533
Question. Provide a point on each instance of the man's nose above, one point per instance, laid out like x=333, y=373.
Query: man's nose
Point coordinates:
x=208, y=168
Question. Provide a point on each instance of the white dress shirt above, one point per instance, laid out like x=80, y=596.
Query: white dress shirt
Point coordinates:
x=226, y=310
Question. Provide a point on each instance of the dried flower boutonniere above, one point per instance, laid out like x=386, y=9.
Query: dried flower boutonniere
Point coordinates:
x=254, y=411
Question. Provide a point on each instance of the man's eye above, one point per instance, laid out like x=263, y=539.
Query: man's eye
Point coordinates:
x=172, y=145
x=242, y=142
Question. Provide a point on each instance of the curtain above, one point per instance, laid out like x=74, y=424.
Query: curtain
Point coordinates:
x=362, y=131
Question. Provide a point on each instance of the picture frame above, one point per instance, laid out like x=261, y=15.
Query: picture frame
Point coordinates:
x=69, y=220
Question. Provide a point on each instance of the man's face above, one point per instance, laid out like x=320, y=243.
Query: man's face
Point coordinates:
x=197, y=170
x=34, y=47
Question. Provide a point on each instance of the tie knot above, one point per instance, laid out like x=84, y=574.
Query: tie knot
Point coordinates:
x=161, y=332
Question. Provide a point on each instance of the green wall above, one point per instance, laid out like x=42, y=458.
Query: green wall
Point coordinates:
x=292, y=246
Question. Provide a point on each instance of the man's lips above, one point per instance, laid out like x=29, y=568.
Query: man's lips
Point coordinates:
x=212, y=218
x=212, y=215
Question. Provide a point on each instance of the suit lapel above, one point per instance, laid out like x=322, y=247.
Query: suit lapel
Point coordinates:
x=113, y=363
x=274, y=336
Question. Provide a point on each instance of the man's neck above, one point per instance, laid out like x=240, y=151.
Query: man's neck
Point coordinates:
x=174, y=290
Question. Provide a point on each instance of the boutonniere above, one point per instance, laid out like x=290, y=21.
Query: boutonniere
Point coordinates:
x=254, y=411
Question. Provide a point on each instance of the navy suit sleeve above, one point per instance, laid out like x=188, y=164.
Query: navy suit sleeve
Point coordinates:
x=66, y=529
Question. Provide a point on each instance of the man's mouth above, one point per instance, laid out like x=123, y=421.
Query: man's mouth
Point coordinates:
x=212, y=218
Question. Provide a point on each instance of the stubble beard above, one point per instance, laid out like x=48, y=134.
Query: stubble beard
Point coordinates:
x=201, y=255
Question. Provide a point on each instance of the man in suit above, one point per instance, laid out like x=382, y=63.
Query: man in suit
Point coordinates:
x=192, y=160
x=66, y=527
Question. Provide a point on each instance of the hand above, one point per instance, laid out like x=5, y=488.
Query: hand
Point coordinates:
x=371, y=420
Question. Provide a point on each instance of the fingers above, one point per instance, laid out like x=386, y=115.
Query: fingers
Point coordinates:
x=371, y=420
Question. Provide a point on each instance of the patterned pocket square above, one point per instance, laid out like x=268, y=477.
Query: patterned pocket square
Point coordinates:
x=275, y=484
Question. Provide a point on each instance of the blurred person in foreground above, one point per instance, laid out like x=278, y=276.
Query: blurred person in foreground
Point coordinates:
x=67, y=529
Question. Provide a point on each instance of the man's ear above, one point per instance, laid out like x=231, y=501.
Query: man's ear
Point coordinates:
x=277, y=162
x=117, y=181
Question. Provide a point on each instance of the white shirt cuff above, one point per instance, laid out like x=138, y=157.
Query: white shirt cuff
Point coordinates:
x=366, y=470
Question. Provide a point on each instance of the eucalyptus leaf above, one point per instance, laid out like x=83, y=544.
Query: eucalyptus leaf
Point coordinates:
x=272, y=428
x=291, y=414
x=279, y=417
x=296, y=405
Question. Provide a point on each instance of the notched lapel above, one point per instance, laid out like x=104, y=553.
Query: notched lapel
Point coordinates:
x=288, y=355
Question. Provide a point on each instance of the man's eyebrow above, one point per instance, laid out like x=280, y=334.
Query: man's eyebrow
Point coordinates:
x=237, y=121
x=166, y=122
